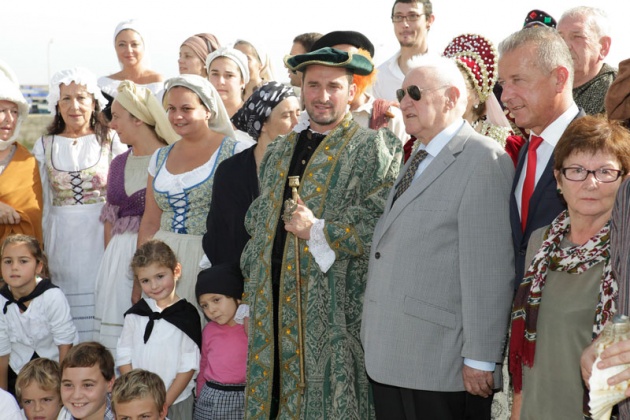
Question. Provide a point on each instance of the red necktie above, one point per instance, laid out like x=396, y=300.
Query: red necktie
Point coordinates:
x=530, y=178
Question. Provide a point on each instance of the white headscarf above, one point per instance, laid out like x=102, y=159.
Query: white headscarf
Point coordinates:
x=78, y=75
x=142, y=104
x=235, y=55
x=10, y=91
x=220, y=120
x=132, y=24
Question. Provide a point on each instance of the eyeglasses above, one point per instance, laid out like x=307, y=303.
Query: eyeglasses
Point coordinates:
x=414, y=92
x=604, y=175
x=409, y=18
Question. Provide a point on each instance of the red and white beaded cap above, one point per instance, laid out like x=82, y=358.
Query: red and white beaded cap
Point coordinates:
x=477, y=56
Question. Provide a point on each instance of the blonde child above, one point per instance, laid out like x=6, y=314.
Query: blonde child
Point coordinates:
x=162, y=333
x=139, y=394
x=37, y=389
x=35, y=318
x=221, y=379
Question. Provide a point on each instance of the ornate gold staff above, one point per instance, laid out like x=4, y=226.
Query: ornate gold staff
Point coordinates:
x=290, y=206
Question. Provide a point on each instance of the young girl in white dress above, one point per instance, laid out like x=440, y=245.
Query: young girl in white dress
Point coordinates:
x=35, y=317
x=162, y=332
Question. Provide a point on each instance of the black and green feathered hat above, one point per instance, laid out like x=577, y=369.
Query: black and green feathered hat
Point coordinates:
x=331, y=57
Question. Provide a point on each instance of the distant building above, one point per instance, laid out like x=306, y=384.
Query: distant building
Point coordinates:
x=36, y=97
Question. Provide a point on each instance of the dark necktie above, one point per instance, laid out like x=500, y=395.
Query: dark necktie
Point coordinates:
x=406, y=180
x=530, y=178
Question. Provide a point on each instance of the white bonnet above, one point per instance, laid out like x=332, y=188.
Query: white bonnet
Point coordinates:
x=10, y=91
x=235, y=55
x=78, y=75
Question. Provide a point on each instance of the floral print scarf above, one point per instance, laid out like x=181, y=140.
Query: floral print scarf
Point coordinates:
x=551, y=256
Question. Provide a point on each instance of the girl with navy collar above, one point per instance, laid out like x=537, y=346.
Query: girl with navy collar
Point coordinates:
x=162, y=332
x=35, y=318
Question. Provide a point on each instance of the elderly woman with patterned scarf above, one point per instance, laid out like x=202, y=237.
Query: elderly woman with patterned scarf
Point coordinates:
x=568, y=292
x=141, y=123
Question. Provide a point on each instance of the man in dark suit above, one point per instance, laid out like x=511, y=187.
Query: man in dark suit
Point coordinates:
x=536, y=74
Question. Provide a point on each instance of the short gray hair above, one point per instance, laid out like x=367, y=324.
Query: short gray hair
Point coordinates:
x=445, y=70
x=446, y=73
x=596, y=19
x=551, y=50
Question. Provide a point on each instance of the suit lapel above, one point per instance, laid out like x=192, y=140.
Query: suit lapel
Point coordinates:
x=432, y=172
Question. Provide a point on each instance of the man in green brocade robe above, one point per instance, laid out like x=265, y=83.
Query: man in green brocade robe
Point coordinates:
x=345, y=172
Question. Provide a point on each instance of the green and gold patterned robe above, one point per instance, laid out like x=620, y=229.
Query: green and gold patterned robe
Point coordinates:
x=346, y=182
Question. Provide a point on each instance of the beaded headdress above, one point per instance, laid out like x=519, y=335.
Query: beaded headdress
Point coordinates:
x=477, y=56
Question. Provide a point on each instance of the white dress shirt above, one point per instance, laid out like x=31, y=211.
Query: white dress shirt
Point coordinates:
x=550, y=135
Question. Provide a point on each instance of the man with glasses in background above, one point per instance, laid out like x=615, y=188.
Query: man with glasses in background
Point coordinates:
x=440, y=275
x=412, y=20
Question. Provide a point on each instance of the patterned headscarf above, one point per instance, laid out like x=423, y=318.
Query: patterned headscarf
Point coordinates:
x=202, y=45
x=255, y=111
x=552, y=257
x=220, y=121
x=140, y=102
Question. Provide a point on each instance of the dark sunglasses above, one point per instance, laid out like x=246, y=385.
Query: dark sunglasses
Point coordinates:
x=414, y=92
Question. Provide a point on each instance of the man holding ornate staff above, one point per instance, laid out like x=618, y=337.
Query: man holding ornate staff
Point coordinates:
x=345, y=172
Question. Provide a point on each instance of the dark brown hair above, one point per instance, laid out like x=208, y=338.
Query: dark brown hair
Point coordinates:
x=592, y=134
x=33, y=246
x=427, y=6
x=98, y=122
x=307, y=40
x=88, y=354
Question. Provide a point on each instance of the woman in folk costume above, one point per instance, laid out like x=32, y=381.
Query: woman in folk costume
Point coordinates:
x=193, y=53
x=181, y=175
x=271, y=111
x=74, y=159
x=258, y=64
x=141, y=123
x=130, y=47
x=20, y=184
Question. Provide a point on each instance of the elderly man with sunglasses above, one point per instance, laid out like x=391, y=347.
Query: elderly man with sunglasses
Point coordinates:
x=440, y=277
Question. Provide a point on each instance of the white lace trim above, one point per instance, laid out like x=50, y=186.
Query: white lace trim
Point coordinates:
x=319, y=248
x=241, y=313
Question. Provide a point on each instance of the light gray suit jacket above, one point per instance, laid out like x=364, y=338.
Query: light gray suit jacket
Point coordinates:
x=441, y=271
